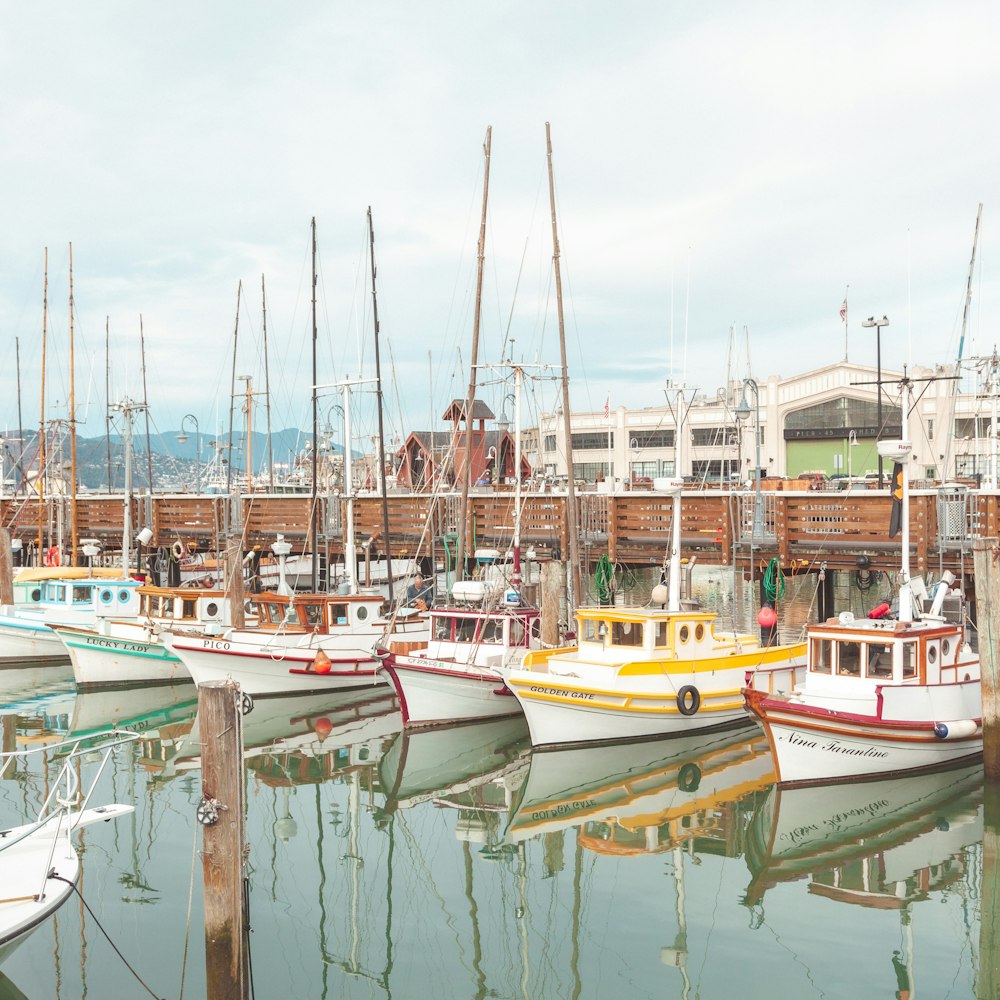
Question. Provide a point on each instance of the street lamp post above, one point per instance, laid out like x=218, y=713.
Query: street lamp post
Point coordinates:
x=743, y=413
x=878, y=324
x=183, y=438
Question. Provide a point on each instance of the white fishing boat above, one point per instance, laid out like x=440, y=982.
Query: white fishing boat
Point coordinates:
x=305, y=642
x=48, y=596
x=114, y=653
x=881, y=695
x=456, y=676
x=39, y=865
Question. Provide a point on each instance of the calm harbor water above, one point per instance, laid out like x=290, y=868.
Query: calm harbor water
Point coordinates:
x=456, y=863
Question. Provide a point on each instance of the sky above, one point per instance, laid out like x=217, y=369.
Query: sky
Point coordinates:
x=725, y=176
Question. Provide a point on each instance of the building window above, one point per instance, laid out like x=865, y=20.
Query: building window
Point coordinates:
x=593, y=441
x=590, y=472
x=714, y=436
x=550, y=442
x=652, y=439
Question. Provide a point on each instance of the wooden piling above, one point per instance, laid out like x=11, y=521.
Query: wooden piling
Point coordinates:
x=988, y=980
x=234, y=580
x=986, y=555
x=222, y=816
x=6, y=568
x=553, y=585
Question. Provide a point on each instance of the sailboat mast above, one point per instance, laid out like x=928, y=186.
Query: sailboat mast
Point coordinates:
x=72, y=422
x=232, y=392
x=380, y=479
x=267, y=390
x=463, y=507
x=107, y=395
x=40, y=482
x=314, y=526
x=145, y=405
x=571, y=519
x=20, y=419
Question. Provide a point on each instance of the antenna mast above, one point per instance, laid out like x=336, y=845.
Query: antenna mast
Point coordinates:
x=72, y=422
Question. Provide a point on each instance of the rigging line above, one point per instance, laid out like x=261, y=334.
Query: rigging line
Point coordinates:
x=187, y=926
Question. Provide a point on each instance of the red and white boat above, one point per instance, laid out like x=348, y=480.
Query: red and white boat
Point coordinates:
x=458, y=674
x=881, y=696
x=305, y=642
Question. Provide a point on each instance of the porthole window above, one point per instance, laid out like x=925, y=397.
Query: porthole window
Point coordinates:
x=107, y=597
x=945, y=647
x=684, y=634
x=36, y=594
x=932, y=654
x=699, y=632
x=211, y=609
x=123, y=596
x=362, y=613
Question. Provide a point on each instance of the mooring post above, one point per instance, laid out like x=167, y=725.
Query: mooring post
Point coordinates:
x=6, y=568
x=988, y=980
x=221, y=814
x=986, y=556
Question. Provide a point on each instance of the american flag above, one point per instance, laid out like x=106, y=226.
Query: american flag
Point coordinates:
x=843, y=312
x=607, y=406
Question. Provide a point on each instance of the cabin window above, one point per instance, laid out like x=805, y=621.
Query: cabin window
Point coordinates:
x=699, y=632
x=145, y=605
x=60, y=593
x=592, y=630
x=626, y=634
x=492, y=630
x=338, y=614
x=683, y=634
x=313, y=614
x=362, y=613
x=932, y=653
x=909, y=660
x=211, y=609
x=167, y=608
x=107, y=597
x=270, y=613
x=661, y=634
x=81, y=595
x=36, y=595
x=879, y=659
x=945, y=649
x=536, y=628
x=442, y=628
x=465, y=629
x=189, y=609
x=849, y=658
x=123, y=596
x=821, y=660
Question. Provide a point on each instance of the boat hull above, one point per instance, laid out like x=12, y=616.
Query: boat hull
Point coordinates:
x=101, y=660
x=29, y=642
x=813, y=745
x=431, y=694
x=272, y=670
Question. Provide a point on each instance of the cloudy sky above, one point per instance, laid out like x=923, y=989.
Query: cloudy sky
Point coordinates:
x=723, y=173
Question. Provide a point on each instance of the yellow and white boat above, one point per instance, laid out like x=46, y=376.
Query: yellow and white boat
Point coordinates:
x=647, y=671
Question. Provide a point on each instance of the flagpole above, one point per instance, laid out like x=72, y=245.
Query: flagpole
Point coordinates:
x=843, y=314
x=611, y=464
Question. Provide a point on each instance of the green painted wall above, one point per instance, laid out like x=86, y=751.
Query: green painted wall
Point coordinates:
x=822, y=456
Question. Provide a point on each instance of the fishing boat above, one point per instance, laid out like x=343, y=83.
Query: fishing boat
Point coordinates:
x=882, y=695
x=113, y=653
x=39, y=865
x=302, y=642
x=49, y=596
x=647, y=671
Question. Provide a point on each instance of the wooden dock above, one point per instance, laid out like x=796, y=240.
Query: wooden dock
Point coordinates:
x=720, y=527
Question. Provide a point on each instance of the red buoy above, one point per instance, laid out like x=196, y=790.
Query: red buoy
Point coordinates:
x=767, y=617
x=879, y=611
x=321, y=665
x=323, y=727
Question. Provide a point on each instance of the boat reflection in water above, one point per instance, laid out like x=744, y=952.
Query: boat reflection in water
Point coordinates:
x=882, y=845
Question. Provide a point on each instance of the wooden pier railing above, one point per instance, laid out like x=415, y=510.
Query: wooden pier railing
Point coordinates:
x=719, y=527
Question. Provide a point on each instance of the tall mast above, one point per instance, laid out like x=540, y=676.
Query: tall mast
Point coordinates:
x=40, y=482
x=314, y=527
x=968, y=284
x=574, y=541
x=107, y=396
x=20, y=419
x=463, y=507
x=267, y=390
x=145, y=405
x=232, y=392
x=380, y=479
x=72, y=422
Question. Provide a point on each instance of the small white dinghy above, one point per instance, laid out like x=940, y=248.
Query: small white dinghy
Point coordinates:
x=39, y=866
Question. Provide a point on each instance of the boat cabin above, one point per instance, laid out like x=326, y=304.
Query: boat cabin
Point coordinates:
x=877, y=651
x=636, y=632
x=456, y=632
x=184, y=606
x=79, y=597
x=319, y=613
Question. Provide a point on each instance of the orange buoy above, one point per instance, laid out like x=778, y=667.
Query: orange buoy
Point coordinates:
x=321, y=665
x=767, y=618
x=323, y=727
